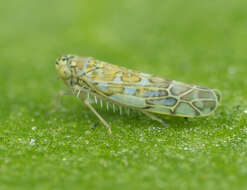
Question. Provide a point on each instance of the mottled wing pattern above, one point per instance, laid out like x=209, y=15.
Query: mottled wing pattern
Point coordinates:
x=152, y=94
x=186, y=101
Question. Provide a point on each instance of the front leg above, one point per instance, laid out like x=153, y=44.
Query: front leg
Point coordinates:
x=58, y=100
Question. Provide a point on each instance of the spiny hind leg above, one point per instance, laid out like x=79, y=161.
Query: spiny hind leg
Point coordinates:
x=99, y=117
x=58, y=100
x=153, y=117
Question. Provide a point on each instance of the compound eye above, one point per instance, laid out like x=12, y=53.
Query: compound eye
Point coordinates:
x=65, y=59
x=57, y=63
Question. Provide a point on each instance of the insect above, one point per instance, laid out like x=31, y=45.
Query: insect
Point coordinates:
x=118, y=86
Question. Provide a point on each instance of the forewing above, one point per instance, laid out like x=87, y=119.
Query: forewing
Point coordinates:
x=153, y=94
x=186, y=101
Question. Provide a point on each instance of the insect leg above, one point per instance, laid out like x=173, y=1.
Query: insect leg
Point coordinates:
x=153, y=117
x=100, y=118
x=94, y=125
x=101, y=103
x=58, y=100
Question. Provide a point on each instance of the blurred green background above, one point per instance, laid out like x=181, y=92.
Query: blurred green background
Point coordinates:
x=194, y=41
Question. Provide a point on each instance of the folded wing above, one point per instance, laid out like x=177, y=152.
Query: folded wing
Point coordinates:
x=153, y=94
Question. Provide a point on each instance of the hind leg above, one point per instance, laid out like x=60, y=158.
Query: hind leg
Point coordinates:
x=86, y=102
x=153, y=117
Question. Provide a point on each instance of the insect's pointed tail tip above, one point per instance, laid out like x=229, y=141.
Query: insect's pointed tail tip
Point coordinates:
x=218, y=95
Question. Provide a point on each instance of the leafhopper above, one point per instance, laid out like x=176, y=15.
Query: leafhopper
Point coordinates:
x=121, y=87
